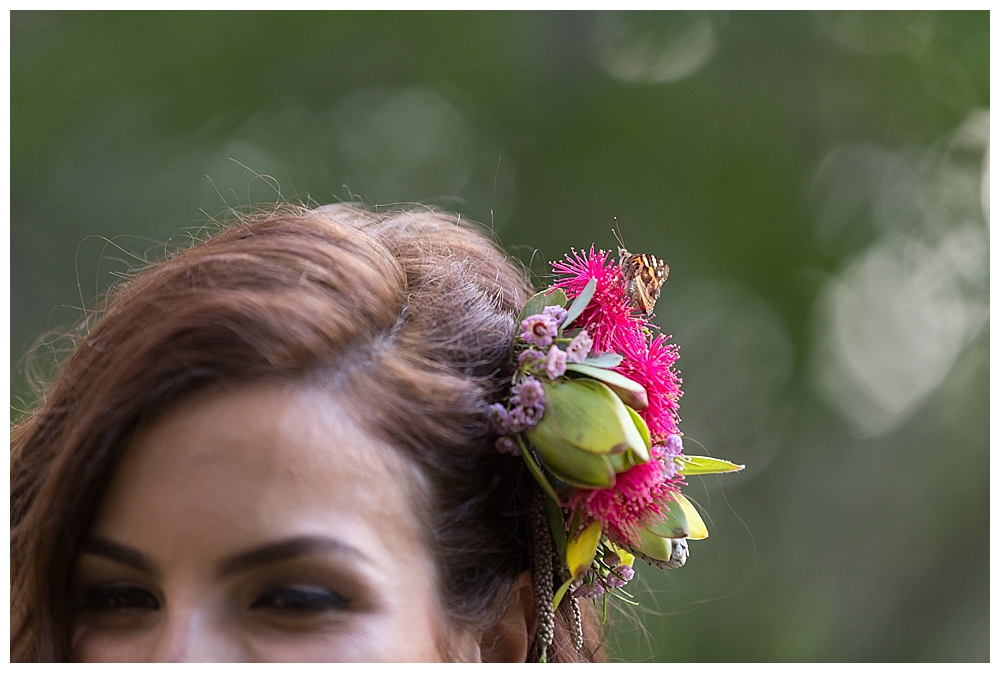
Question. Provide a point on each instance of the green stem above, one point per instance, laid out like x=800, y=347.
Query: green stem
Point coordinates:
x=536, y=471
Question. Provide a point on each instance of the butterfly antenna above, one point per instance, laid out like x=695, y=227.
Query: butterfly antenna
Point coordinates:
x=618, y=233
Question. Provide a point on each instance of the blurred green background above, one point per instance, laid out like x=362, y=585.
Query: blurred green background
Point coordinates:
x=818, y=183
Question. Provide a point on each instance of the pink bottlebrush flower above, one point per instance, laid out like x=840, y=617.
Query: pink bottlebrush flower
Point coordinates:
x=539, y=329
x=609, y=317
x=641, y=494
x=555, y=363
x=652, y=367
x=637, y=498
x=579, y=347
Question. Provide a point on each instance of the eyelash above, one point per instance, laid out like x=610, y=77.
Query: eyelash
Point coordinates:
x=299, y=600
x=290, y=601
x=118, y=597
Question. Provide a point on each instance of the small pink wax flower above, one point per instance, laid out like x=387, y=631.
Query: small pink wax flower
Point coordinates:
x=619, y=576
x=555, y=363
x=528, y=393
x=523, y=418
x=557, y=313
x=579, y=347
x=531, y=359
x=595, y=590
x=499, y=418
x=539, y=329
x=507, y=444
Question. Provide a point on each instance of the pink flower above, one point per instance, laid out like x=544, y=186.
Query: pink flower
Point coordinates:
x=499, y=418
x=589, y=590
x=539, y=329
x=528, y=393
x=637, y=498
x=619, y=576
x=671, y=450
x=555, y=363
x=557, y=313
x=530, y=359
x=643, y=493
x=609, y=316
x=652, y=367
x=508, y=445
x=522, y=418
x=579, y=347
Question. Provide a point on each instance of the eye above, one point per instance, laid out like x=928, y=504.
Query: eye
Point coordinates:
x=117, y=598
x=299, y=600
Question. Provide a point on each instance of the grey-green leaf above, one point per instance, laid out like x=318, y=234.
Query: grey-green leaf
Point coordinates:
x=538, y=302
x=604, y=361
x=580, y=302
x=630, y=392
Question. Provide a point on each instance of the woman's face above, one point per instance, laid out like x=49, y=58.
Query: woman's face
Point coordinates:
x=259, y=524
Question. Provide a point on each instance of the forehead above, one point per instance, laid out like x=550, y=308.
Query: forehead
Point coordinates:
x=268, y=460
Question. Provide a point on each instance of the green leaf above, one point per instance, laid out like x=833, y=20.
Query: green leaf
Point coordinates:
x=568, y=463
x=622, y=461
x=674, y=525
x=630, y=392
x=643, y=429
x=654, y=546
x=536, y=472
x=558, y=525
x=623, y=554
x=560, y=592
x=580, y=302
x=692, y=465
x=637, y=443
x=580, y=549
x=583, y=413
x=539, y=301
x=699, y=531
x=620, y=595
x=604, y=361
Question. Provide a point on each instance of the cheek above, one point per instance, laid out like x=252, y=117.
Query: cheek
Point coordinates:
x=406, y=635
x=94, y=646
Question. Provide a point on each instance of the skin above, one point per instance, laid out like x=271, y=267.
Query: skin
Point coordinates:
x=262, y=524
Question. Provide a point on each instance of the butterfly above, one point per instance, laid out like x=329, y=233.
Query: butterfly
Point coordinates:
x=644, y=276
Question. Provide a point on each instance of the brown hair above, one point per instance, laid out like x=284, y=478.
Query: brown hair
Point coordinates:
x=413, y=312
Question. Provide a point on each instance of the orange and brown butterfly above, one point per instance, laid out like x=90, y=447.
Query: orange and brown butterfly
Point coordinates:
x=644, y=275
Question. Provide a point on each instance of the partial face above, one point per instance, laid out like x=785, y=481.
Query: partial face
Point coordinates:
x=259, y=524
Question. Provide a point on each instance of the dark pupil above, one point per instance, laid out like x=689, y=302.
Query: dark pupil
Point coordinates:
x=298, y=599
x=120, y=598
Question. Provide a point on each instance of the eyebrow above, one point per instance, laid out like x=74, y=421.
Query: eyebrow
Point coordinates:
x=286, y=550
x=273, y=552
x=128, y=556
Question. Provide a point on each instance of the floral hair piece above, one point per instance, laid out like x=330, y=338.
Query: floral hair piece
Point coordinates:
x=592, y=411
